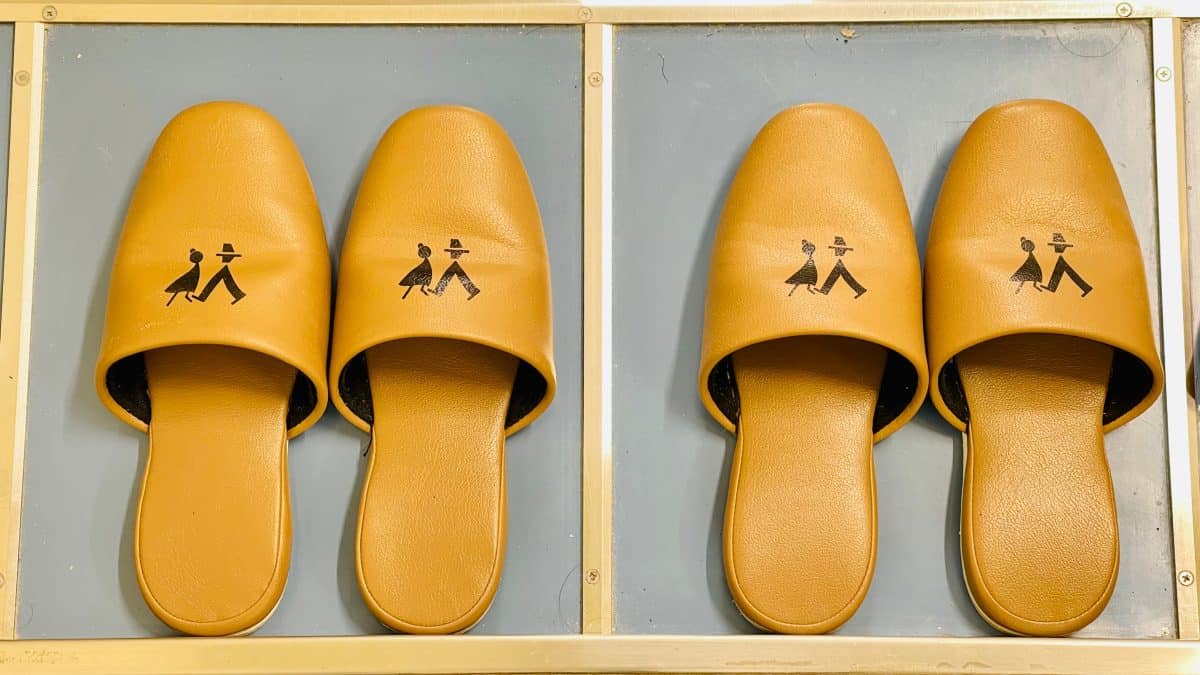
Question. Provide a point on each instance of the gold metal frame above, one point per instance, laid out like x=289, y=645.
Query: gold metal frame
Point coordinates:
x=600, y=654
x=1175, y=282
x=596, y=650
x=25, y=139
x=571, y=11
x=597, y=422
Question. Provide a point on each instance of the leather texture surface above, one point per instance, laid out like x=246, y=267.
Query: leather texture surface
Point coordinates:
x=1039, y=333
x=430, y=544
x=1024, y=172
x=221, y=173
x=1039, y=522
x=213, y=535
x=442, y=346
x=215, y=337
x=813, y=320
x=441, y=175
x=815, y=173
x=800, y=520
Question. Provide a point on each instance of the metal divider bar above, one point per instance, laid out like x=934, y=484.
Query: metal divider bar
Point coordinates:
x=597, y=330
x=16, y=307
x=575, y=11
x=1176, y=313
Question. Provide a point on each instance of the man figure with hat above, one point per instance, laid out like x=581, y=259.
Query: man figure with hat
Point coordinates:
x=227, y=254
x=1063, y=267
x=839, y=271
x=456, y=251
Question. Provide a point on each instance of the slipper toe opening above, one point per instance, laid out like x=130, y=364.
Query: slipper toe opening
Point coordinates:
x=530, y=388
x=126, y=383
x=1130, y=384
x=897, y=390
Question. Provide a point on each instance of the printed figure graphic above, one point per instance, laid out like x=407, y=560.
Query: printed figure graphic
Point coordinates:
x=421, y=275
x=807, y=275
x=1062, y=267
x=839, y=271
x=188, y=281
x=227, y=255
x=1030, y=270
x=456, y=251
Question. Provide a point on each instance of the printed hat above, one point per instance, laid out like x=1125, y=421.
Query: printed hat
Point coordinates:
x=1059, y=243
x=839, y=245
x=227, y=253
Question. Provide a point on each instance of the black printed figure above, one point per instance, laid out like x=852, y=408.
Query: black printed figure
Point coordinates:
x=421, y=275
x=1063, y=267
x=1030, y=270
x=188, y=282
x=807, y=275
x=223, y=275
x=839, y=271
x=456, y=251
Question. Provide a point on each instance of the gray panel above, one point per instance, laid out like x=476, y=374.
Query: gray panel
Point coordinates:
x=688, y=103
x=6, y=49
x=1191, y=121
x=109, y=92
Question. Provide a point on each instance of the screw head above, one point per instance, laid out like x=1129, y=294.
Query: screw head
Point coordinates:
x=21, y=77
x=49, y=12
x=595, y=79
x=585, y=13
x=593, y=576
x=1186, y=578
x=1163, y=74
x=1124, y=9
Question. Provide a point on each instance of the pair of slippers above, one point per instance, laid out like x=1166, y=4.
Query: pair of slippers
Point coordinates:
x=1036, y=334
x=217, y=343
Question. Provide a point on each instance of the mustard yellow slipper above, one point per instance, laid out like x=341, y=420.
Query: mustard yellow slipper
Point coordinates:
x=812, y=352
x=214, y=343
x=441, y=348
x=1039, y=333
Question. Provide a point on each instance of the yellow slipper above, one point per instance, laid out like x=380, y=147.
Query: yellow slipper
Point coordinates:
x=441, y=348
x=812, y=352
x=214, y=343
x=1040, y=341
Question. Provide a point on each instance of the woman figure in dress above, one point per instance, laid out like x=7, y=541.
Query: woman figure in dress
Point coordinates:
x=421, y=275
x=187, y=283
x=806, y=275
x=1030, y=270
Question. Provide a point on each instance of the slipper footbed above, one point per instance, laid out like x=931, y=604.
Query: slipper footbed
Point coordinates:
x=1039, y=521
x=213, y=534
x=432, y=518
x=800, y=521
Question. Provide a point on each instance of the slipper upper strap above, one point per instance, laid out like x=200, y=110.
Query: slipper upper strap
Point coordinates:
x=1031, y=234
x=445, y=241
x=222, y=245
x=815, y=239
